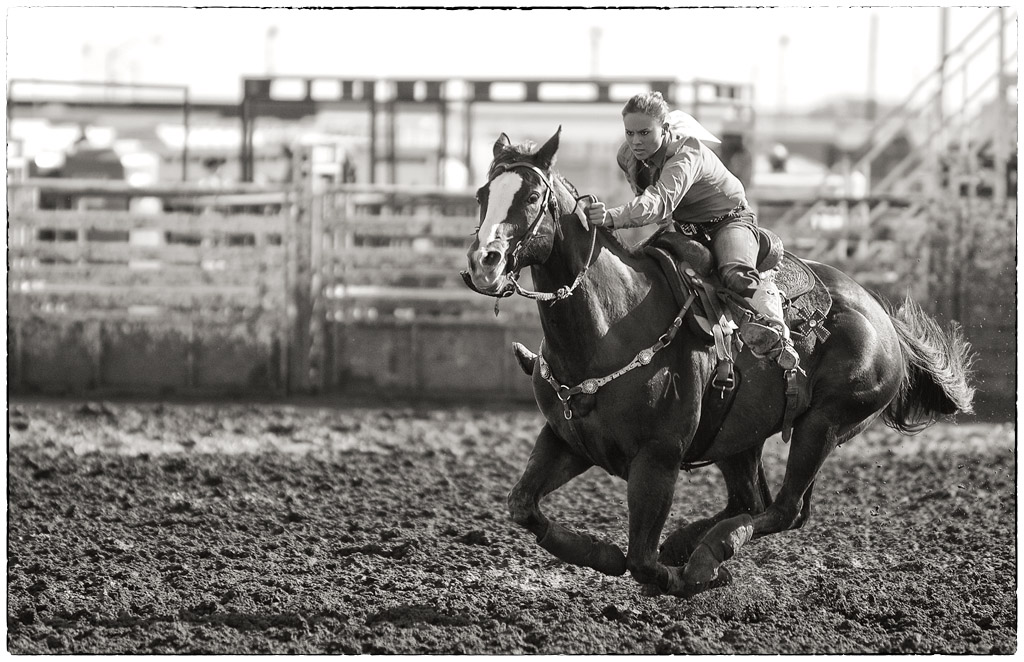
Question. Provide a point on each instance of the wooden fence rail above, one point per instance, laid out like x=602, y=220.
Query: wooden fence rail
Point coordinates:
x=351, y=289
x=125, y=300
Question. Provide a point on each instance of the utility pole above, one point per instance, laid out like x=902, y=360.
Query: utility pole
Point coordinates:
x=938, y=144
x=1000, y=146
x=268, y=50
x=595, y=51
x=872, y=104
x=783, y=44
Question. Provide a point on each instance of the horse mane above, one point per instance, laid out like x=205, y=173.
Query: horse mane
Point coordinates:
x=514, y=153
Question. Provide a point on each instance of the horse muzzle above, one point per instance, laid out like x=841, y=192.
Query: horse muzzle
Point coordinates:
x=502, y=289
x=486, y=273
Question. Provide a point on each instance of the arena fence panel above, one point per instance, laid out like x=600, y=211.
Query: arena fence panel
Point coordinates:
x=392, y=315
x=131, y=298
x=351, y=290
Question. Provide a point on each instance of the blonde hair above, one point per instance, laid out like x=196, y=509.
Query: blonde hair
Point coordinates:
x=651, y=104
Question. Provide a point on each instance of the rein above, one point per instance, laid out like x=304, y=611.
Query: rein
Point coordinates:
x=561, y=293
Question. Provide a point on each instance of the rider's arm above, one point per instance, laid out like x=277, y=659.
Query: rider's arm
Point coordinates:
x=656, y=203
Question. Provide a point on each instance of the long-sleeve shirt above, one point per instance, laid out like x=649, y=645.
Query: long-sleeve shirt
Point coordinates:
x=684, y=181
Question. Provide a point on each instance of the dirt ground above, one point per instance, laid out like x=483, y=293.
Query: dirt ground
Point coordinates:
x=260, y=528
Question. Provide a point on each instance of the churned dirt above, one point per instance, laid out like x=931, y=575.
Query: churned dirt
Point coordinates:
x=256, y=528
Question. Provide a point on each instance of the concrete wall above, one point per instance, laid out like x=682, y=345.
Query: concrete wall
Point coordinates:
x=430, y=359
x=58, y=356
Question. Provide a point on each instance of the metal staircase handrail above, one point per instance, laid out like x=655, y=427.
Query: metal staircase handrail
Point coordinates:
x=900, y=168
x=899, y=110
x=898, y=118
x=879, y=145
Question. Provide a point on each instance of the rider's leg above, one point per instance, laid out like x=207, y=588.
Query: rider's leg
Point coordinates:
x=735, y=247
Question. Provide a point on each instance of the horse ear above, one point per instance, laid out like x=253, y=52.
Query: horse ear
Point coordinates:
x=545, y=157
x=501, y=143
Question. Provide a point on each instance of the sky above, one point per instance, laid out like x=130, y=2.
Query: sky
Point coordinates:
x=795, y=57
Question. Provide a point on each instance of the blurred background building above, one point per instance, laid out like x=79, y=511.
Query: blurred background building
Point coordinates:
x=160, y=85
x=866, y=137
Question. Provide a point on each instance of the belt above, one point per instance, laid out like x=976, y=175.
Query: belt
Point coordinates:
x=691, y=229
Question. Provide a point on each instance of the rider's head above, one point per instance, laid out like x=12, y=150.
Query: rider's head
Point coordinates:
x=644, y=118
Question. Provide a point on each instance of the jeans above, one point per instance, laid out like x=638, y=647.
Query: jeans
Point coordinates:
x=734, y=245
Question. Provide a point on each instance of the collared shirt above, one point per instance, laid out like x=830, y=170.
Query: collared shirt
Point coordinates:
x=687, y=182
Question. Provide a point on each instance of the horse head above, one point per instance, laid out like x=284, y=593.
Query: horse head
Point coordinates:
x=521, y=207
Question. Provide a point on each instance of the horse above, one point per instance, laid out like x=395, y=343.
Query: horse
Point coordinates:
x=602, y=307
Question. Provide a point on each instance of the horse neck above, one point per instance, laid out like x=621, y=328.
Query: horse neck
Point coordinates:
x=612, y=287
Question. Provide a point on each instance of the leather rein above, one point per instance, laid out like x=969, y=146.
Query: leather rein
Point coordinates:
x=547, y=205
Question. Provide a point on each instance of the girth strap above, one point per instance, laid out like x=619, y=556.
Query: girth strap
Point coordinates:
x=715, y=407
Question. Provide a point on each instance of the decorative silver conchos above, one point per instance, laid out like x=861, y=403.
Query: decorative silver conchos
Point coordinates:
x=545, y=371
x=645, y=356
x=589, y=386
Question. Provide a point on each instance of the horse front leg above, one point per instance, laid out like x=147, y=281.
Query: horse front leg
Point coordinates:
x=551, y=465
x=650, y=489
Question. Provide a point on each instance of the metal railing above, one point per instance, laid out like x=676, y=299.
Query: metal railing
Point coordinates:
x=927, y=103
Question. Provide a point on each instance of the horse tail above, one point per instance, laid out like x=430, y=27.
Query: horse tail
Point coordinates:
x=938, y=369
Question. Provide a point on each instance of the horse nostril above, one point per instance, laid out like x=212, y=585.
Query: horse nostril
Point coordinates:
x=491, y=258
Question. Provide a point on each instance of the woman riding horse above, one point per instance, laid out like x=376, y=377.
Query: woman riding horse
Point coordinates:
x=677, y=178
x=616, y=395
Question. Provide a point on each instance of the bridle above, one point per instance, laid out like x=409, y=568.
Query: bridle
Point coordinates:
x=547, y=206
x=590, y=386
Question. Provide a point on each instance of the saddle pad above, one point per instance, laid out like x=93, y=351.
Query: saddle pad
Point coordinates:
x=807, y=300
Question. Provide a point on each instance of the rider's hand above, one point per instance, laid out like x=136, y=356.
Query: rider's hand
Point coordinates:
x=597, y=214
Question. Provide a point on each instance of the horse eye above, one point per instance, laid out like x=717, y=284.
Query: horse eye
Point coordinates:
x=534, y=197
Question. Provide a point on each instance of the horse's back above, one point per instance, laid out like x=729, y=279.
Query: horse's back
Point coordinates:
x=848, y=296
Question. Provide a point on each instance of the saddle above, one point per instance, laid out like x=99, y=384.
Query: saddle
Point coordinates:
x=688, y=265
x=689, y=268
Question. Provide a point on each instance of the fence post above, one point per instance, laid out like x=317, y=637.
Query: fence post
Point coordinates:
x=95, y=334
x=317, y=339
x=19, y=355
x=299, y=270
x=191, y=358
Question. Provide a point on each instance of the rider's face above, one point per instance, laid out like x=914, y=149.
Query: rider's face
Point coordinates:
x=643, y=134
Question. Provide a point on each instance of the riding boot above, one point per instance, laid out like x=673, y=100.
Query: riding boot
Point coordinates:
x=766, y=333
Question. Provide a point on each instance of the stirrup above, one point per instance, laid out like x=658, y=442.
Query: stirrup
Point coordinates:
x=768, y=342
x=788, y=359
x=761, y=338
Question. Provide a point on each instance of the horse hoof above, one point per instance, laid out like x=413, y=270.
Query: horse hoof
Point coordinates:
x=676, y=549
x=702, y=568
x=723, y=578
x=526, y=359
x=651, y=590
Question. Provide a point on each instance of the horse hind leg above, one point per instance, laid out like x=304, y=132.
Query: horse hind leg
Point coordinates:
x=748, y=492
x=814, y=438
x=805, y=510
x=550, y=466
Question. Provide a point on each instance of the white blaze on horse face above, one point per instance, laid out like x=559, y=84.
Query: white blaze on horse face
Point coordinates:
x=503, y=189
